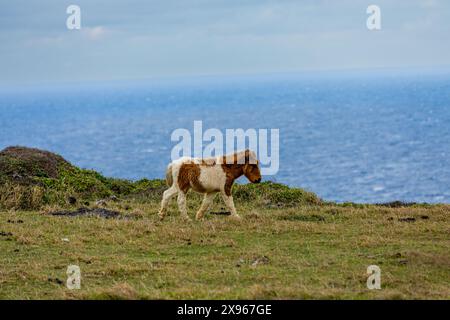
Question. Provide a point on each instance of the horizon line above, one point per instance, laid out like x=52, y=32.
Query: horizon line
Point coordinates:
x=442, y=69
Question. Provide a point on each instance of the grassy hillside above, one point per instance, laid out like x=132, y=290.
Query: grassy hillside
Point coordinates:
x=289, y=244
x=31, y=179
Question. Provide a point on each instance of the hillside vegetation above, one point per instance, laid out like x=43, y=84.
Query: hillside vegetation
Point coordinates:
x=32, y=178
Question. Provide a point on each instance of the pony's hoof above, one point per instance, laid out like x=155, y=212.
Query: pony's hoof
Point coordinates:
x=236, y=217
x=187, y=219
x=161, y=216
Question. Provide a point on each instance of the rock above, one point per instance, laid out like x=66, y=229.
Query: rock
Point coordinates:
x=113, y=198
x=259, y=261
x=56, y=280
x=72, y=200
x=101, y=202
x=16, y=176
x=15, y=221
x=240, y=262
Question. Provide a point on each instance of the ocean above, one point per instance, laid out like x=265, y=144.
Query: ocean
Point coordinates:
x=356, y=136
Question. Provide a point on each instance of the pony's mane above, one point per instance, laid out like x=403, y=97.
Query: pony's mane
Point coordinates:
x=238, y=157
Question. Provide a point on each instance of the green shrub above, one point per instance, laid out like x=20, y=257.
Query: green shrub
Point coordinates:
x=274, y=194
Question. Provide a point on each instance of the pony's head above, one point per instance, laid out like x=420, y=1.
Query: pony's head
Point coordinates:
x=251, y=167
x=243, y=163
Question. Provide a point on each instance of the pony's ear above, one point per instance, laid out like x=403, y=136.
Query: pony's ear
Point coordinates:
x=250, y=157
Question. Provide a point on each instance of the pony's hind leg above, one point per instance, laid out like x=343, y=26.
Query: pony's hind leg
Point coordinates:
x=167, y=195
x=182, y=205
x=207, y=200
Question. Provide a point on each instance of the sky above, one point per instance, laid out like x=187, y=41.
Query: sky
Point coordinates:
x=137, y=39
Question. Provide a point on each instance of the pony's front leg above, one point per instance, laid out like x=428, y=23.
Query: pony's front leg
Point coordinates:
x=207, y=200
x=182, y=205
x=230, y=204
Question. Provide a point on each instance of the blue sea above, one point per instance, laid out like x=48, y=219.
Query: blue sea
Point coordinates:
x=354, y=136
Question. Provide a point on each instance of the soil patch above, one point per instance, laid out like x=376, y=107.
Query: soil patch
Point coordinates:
x=94, y=212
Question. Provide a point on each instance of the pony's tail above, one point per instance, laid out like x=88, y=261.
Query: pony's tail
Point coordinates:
x=169, y=177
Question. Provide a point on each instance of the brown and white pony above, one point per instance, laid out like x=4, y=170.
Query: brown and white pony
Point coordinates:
x=208, y=176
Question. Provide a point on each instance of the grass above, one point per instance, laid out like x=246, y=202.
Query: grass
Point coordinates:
x=289, y=244
x=312, y=252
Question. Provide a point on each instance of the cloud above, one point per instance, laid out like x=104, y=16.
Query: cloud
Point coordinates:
x=187, y=37
x=66, y=37
x=429, y=3
x=94, y=33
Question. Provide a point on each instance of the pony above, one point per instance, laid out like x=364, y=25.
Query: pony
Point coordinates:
x=208, y=176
